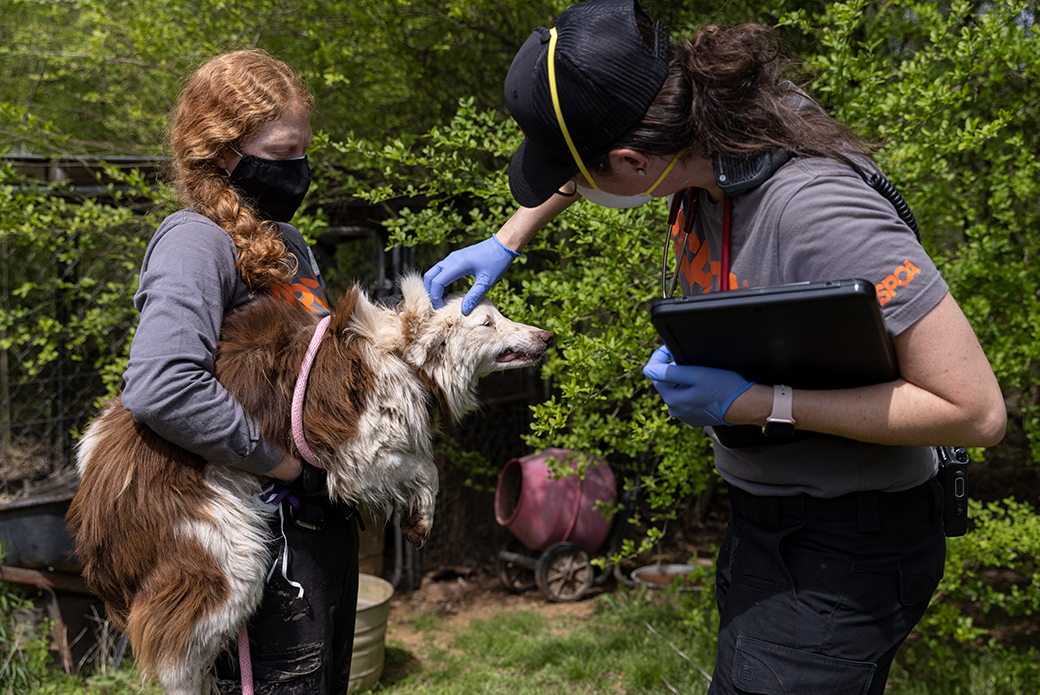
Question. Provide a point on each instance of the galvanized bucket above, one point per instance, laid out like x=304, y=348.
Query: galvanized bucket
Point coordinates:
x=373, y=609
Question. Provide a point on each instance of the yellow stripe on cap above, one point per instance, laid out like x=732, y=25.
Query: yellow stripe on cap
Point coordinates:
x=559, y=111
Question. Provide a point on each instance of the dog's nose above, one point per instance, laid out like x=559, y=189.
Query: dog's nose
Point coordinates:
x=547, y=338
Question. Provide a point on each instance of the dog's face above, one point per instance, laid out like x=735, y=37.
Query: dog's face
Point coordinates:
x=466, y=348
x=488, y=340
x=456, y=350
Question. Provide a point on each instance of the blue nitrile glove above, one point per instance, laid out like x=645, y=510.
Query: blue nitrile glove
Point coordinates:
x=487, y=262
x=699, y=396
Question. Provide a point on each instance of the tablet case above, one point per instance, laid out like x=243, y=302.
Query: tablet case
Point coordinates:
x=820, y=335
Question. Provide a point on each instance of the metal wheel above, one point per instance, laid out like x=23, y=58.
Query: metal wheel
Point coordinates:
x=564, y=572
x=516, y=577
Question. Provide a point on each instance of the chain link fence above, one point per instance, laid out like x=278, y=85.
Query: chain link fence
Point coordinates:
x=51, y=380
x=71, y=240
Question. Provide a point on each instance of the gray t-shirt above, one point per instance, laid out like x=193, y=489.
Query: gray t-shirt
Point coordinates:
x=188, y=284
x=816, y=219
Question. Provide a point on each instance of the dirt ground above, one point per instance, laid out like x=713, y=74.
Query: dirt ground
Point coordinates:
x=459, y=602
x=460, y=595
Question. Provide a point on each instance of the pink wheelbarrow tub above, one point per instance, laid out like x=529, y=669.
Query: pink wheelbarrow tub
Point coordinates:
x=558, y=520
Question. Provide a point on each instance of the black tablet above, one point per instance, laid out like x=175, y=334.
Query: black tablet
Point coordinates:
x=819, y=335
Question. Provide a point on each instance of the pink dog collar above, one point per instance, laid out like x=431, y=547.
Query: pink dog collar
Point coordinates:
x=301, y=389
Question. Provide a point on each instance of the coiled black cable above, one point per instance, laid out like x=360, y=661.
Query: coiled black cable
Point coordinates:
x=880, y=183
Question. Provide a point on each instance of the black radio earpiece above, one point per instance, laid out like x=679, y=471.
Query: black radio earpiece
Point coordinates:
x=736, y=175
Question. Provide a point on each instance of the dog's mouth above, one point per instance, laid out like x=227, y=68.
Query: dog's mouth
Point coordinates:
x=518, y=357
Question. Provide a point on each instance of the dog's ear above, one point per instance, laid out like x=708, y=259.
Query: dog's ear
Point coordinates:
x=425, y=337
x=425, y=329
x=415, y=310
x=355, y=311
x=344, y=309
x=416, y=300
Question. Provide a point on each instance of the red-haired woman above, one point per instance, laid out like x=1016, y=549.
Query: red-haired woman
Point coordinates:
x=240, y=132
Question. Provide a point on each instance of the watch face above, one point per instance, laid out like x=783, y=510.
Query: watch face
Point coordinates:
x=778, y=429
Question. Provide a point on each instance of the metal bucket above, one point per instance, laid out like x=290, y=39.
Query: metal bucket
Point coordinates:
x=681, y=577
x=373, y=609
x=541, y=510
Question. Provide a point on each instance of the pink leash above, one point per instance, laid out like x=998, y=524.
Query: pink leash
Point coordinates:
x=301, y=389
x=245, y=662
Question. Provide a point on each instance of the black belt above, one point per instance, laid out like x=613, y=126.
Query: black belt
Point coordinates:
x=869, y=509
x=309, y=512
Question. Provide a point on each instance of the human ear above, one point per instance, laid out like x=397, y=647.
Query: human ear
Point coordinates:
x=626, y=160
x=228, y=159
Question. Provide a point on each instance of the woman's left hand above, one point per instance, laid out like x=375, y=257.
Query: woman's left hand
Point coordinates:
x=699, y=396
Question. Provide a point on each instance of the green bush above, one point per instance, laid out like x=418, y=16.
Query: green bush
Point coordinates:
x=68, y=270
x=991, y=586
x=950, y=91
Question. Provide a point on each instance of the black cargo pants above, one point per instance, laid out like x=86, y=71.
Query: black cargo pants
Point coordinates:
x=816, y=595
x=302, y=646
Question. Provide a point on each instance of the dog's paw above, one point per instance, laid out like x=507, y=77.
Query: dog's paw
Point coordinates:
x=416, y=529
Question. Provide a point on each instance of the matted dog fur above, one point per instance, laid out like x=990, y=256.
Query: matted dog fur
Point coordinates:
x=176, y=547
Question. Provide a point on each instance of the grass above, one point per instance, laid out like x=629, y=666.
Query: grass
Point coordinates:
x=122, y=682
x=628, y=646
x=639, y=643
x=642, y=644
x=989, y=670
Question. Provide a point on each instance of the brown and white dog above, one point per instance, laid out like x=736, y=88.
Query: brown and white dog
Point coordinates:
x=176, y=547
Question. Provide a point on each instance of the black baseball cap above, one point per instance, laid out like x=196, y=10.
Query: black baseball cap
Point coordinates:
x=606, y=78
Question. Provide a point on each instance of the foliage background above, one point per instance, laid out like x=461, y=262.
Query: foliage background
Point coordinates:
x=410, y=108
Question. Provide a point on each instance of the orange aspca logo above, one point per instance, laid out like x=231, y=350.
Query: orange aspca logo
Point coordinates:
x=698, y=273
x=902, y=276
x=306, y=292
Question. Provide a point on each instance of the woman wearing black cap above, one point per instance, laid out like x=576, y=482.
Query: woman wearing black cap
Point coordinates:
x=836, y=541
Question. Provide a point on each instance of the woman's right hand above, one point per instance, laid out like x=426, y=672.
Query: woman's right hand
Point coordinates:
x=487, y=262
x=287, y=470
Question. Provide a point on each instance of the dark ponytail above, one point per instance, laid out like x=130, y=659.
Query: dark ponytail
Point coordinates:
x=725, y=94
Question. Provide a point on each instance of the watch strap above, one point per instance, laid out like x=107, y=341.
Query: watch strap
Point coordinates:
x=783, y=397
x=780, y=423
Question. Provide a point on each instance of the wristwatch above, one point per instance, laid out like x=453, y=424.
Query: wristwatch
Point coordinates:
x=780, y=423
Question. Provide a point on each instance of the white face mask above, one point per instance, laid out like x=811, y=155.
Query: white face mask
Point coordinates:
x=609, y=200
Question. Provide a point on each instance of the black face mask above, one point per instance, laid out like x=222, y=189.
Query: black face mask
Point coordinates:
x=276, y=186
